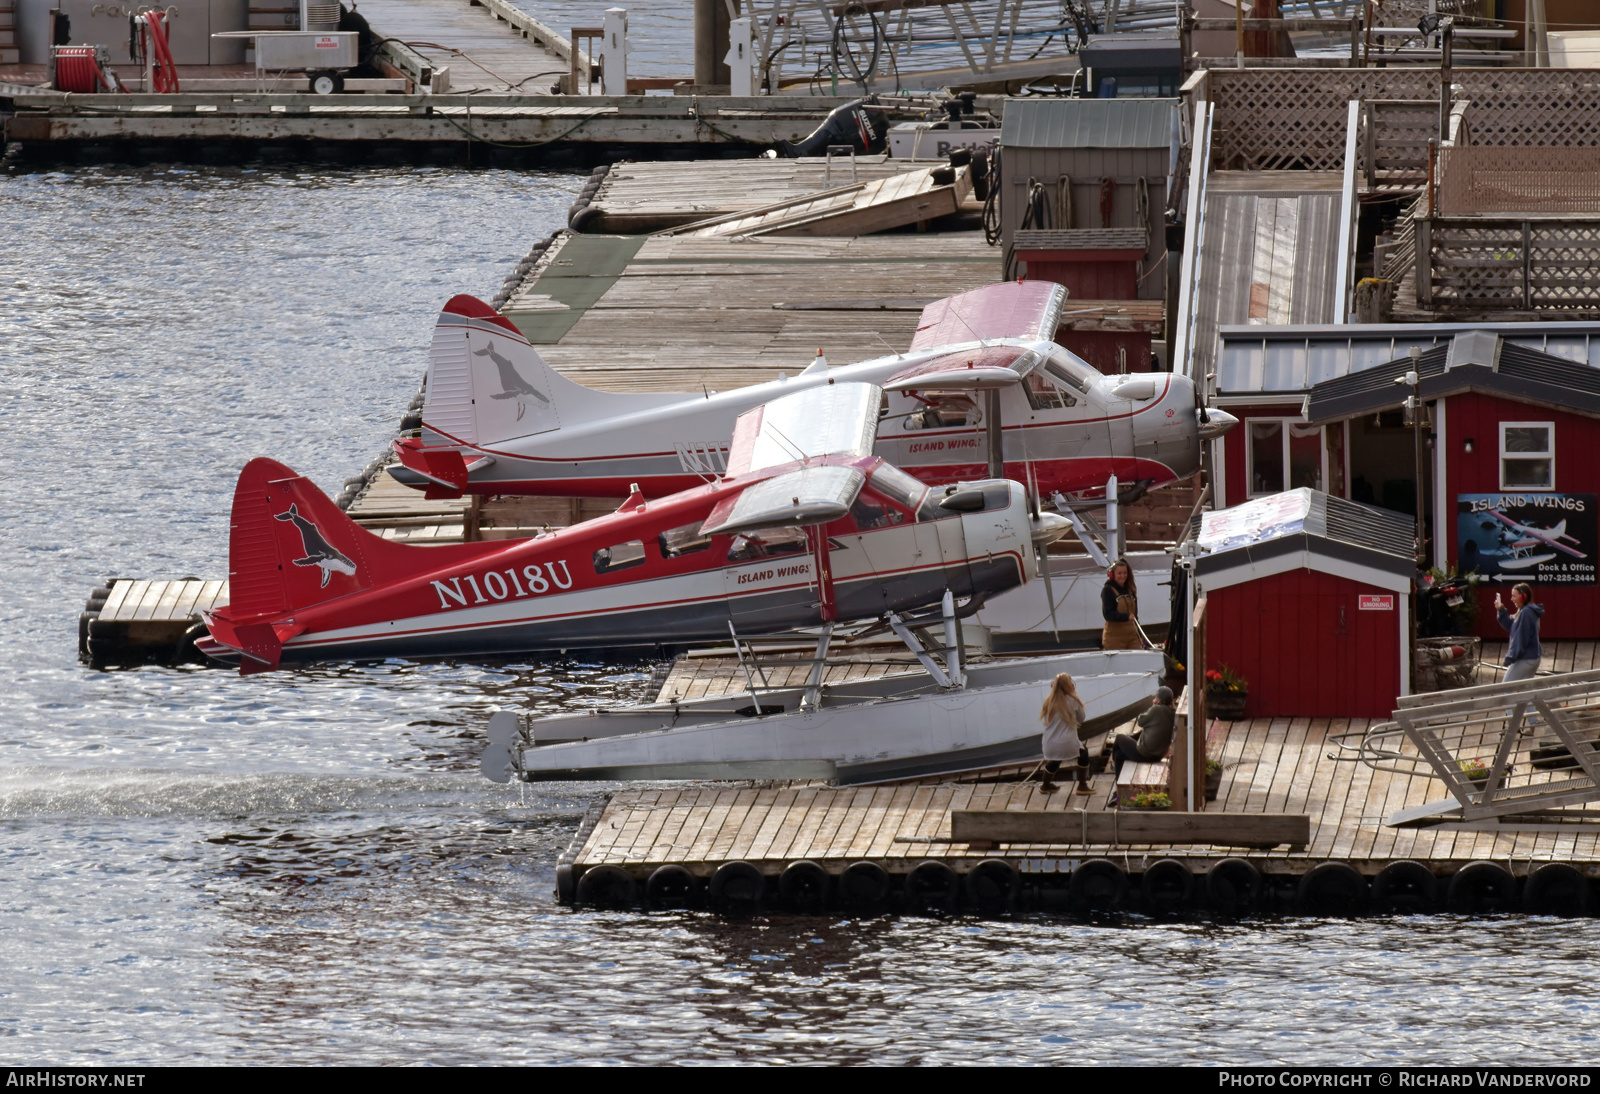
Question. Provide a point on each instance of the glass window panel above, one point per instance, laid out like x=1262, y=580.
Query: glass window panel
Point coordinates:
x=1335, y=438
x=683, y=540
x=1571, y=347
x=1324, y=361
x=1527, y=438
x=1527, y=474
x=1305, y=456
x=1283, y=366
x=1266, y=457
x=619, y=556
x=767, y=543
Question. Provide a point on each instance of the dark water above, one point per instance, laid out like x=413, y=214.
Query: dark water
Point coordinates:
x=303, y=867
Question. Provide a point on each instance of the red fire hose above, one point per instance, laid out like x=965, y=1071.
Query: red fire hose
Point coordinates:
x=153, y=39
x=77, y=70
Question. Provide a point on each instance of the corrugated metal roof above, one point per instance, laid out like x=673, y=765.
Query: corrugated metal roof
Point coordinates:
x=1471, y=362
x=1287, y=361
x=1088, y=123
x=1332, y=528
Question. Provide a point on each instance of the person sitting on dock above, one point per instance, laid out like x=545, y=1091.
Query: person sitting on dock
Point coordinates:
x=1524, y=653
x=1150, y=741
x=1062, y=715
x=1119, y=605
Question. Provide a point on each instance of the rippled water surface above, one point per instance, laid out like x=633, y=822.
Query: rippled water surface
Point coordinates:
x=303, y=866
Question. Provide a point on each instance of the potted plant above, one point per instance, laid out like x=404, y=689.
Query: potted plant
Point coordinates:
x=1226, y=693
x=1176, y=673
x=1476, y=771
x=1213, y=778
x=1149, y=800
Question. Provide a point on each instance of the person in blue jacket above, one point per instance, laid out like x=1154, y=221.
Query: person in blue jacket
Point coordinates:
x=1522, y=622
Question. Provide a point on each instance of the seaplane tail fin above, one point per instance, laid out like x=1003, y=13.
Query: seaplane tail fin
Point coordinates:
x=486, y=384
x=289, y=548
x=828, y=420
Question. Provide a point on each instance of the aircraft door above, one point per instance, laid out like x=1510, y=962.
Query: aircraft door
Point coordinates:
x=771, y=581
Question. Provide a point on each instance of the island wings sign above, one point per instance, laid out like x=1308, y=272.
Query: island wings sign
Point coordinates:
x=1545, y=539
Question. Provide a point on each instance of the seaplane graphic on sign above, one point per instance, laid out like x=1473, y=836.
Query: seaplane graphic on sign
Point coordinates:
x=806, y=527
x=982, y=391
x=1533, y=538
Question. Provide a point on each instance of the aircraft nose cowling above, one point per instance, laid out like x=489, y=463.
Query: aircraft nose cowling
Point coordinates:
x=1214, y=423
x=1049, y=527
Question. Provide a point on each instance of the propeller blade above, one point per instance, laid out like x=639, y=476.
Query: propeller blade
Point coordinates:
x=1042, y=550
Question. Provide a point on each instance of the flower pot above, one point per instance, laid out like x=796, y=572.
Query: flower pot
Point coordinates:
x=1227, y=705
x=1213, y=786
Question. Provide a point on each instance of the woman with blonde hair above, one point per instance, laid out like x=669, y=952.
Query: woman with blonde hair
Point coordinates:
x=1062, y=715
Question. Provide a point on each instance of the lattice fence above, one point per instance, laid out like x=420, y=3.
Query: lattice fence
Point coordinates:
x=1281, y=118
x=1515, y=265
x=1479, y=179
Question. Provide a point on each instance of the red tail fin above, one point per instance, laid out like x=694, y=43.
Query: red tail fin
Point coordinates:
x=291, y=547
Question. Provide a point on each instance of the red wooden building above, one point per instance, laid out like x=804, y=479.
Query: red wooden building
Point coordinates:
x=1510, y=436
x=1307, y=598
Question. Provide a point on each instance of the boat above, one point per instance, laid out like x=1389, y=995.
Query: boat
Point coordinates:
x=926, y=722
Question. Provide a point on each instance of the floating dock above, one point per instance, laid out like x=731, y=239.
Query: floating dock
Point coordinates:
x=1285, y=811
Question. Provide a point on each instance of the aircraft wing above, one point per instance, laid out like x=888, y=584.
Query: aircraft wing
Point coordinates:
x=1012, y=309
x=977, y=368
x=828, y=420
x=811, y=495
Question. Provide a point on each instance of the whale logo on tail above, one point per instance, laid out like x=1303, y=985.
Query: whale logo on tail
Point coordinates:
x=318, y=551
x=512, y=385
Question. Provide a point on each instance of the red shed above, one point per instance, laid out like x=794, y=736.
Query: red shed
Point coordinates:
x=1308, y=599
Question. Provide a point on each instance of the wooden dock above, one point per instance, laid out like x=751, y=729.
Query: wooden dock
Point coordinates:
x=1272, y=768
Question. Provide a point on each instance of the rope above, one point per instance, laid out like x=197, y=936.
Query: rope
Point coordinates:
x=1064, y=201
x=471, y=136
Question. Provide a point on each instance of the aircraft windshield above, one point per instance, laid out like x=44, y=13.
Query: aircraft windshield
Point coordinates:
x=898, y=486
x=1071, y=371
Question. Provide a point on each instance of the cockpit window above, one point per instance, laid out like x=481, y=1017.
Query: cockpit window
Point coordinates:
x=1047, y=392
x=1073, y=373
x=898, y=486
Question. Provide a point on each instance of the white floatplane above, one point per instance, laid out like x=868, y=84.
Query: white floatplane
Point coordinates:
x=942, y=720
x=982, y=392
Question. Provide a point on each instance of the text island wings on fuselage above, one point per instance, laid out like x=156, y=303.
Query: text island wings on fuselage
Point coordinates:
x=1064, y=426
x=807, y=526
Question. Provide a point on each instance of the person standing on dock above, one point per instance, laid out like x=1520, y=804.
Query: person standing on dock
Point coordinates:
x=1522, y=622
x=1119, y=605
x=1062, y=715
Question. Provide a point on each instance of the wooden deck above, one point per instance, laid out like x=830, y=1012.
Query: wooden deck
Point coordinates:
x=1271, y=766
x=676, y=314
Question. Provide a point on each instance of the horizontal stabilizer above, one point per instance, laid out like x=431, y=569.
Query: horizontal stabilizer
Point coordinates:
x=811, y=495
x=827, y=420
x=1012, y=309
x=444, y=467
x=980, y=368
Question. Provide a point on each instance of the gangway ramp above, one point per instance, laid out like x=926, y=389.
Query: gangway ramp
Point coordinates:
x=1269, y=246
x=860, y=208
x=1527, y=748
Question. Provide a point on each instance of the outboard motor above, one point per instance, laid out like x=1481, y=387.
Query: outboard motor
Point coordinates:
x=860, y=124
